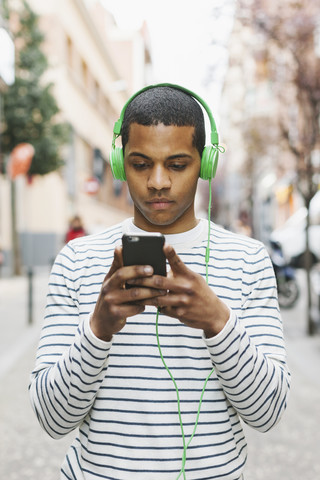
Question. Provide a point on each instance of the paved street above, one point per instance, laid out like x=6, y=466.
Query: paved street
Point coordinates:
x=26, y=452
x=289, y=452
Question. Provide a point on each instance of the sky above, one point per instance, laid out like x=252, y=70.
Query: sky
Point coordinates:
x=188, y=40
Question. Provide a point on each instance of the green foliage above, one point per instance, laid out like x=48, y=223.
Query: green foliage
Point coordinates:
x=29, y=107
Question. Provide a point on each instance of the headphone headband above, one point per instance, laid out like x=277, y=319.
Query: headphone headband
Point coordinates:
x=214, y=133
x=210, y=154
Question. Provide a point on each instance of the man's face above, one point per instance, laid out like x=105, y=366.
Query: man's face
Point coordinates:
x=162, y=168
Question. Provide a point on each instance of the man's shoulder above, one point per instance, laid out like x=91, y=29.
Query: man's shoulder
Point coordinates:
x=230, y=239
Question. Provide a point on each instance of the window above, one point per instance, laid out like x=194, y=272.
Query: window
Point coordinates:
x=84, y=74
x=69, y=52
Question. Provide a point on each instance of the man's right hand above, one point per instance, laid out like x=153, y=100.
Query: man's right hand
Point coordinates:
x=115, y=303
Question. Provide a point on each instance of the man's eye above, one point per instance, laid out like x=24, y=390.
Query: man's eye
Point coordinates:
x=178, y=166
x=139, y=165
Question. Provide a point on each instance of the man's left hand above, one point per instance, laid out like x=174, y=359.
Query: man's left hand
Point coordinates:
x=189, y=298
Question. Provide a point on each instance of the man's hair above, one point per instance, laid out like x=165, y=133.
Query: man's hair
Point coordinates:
x=166, y=105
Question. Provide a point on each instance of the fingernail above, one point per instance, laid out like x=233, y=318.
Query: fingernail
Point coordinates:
x=148, y=270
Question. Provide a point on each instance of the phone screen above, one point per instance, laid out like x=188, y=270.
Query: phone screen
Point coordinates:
x=145, y=250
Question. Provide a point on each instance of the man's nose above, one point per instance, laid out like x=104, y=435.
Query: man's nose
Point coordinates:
x=159, y=178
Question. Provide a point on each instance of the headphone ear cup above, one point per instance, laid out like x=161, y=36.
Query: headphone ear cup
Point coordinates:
x=209, y=162
x=117, y=164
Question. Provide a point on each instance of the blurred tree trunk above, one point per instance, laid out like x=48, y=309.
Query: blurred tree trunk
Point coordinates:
x=16, y=251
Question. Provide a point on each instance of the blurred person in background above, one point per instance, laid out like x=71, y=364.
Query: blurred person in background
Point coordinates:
x=75, y=230
x=99, y=366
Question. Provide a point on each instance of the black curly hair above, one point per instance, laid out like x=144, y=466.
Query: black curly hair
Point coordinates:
x=167, y=105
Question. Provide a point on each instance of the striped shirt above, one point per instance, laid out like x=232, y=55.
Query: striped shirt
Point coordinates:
x=119, y=395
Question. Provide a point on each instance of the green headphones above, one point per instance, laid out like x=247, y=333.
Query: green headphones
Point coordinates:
x=210, y=154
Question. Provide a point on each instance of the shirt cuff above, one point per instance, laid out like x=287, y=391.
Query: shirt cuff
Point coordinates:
x=217, y=339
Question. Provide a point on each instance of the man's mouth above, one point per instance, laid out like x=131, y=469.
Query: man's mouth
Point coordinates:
x=160, y=203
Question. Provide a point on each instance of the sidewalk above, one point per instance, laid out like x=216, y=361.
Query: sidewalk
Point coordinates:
x=26, y=451
x=289, y=452
x=16, y=333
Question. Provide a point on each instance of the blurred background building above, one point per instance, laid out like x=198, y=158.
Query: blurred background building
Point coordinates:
x=271, y=167
x=94, y=69
x=268, y=102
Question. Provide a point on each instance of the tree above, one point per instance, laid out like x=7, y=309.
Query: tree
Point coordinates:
x=291, y=31
x=29, y=107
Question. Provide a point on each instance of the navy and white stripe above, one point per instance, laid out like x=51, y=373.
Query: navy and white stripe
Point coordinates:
x=119, y=394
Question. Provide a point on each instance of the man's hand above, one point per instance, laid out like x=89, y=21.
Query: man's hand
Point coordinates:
x=115, y=303
x=188, y=297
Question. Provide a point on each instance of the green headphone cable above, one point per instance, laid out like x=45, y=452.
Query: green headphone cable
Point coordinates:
x=186, y=445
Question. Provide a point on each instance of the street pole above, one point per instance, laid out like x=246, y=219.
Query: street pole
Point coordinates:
x=30, y=295
x=14, y=232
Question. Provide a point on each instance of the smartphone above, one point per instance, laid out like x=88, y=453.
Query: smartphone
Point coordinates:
x=146, y=249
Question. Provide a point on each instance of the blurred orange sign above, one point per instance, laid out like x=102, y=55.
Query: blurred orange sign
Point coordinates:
x=91, y=186
x=20, y=160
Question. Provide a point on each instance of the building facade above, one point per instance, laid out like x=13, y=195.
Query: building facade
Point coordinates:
x=260, y=100
x=93, y=73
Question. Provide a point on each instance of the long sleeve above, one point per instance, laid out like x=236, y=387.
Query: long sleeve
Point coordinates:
x=71, y=361
x=249, y=354
x=118, y=394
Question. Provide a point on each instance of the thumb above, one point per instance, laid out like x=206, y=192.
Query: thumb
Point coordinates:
x=176, y=264
x=117, y=262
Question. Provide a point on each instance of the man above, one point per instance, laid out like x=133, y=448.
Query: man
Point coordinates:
x=99, y=368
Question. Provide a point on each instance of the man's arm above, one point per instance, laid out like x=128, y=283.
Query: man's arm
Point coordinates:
x=249, y=354
x=72, y=357
x=71, y=361
x=247, y=346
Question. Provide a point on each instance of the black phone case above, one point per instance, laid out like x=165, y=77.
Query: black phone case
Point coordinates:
x=145, y=250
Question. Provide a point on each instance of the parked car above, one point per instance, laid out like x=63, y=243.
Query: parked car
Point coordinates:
x=292, y=234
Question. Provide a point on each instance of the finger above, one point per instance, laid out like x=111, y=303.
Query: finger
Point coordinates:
x=169, y=311
x=174, y=260
x=118, y=255
x=117, y=262
x=168, y=301
x=168, y=283
x=129, y=310
x=155, y=281
x=141, y=295
x=124, y=274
